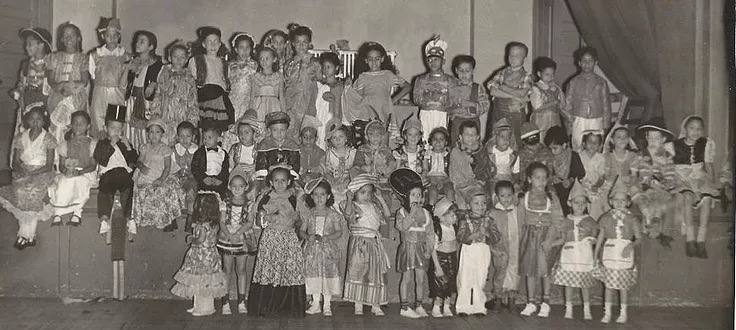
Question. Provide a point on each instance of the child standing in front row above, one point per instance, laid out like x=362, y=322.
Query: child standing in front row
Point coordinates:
x=444, y=265
x=200, y=277
x=541, y=218
x=617, y=270
x=470, y=99
x=477, y=232
x=510, y=88
x=505, y=255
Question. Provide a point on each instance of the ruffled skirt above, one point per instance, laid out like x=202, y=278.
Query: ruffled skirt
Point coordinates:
x=26, y=200
x=158, y=206
x=365, y=280
x=201, y=274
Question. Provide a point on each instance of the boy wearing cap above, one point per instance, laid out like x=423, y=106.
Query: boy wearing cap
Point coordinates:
x=108, y=69
x=470, y=100
x=432, y=89
x=116, y=158
x=511, y=87
x=443, y=268
x=277, y=147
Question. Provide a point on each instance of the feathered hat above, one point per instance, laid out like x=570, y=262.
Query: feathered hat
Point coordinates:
x=435, y=47
x=411, y=122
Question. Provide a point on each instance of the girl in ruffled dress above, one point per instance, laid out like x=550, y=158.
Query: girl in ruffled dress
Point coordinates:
x=240, y=70
x=267, y=85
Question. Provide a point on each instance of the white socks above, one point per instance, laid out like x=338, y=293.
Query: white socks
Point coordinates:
x=702, y=232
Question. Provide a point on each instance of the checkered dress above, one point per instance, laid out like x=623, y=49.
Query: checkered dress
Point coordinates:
x=619, y=279
x=571, y=278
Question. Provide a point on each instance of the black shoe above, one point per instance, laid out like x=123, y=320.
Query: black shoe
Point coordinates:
x=701, y=252
x=172, y=226
x=691, y=249
x=511, y=305
x=462, y=314
x=491, y=304
x=665, y=241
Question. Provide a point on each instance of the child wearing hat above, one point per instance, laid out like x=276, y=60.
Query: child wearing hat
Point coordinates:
x=33, y=88
x=444, y=264
x=210, y=163
x=242, y=153
x=109, y=71
x=532, y=149
x=502, y=152
x=503, y=283
x=277, y=147
x=431, y=90
x=411, y=153
x=477, y=232
x=470, y=100
x=375, y=157
x=158, y=200
x=210, y=72
x=312, y=156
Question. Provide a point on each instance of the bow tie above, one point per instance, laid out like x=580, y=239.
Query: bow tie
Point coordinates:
x=215, y=149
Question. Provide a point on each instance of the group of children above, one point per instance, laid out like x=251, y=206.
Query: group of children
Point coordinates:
x=475, y=211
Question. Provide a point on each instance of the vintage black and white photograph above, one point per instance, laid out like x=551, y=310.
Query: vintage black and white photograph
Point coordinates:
x=367, y=164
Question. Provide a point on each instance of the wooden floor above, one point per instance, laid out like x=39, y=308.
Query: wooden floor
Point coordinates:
x=37, y=313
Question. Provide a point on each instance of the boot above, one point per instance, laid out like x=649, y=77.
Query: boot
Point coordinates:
x=691, y=249
x=606, y=313
x=172, y=226
x=568, y=311
x=511, y=305
x=700, y=250
x=665, y=241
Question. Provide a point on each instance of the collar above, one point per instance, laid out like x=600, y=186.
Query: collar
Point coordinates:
x=542, y=84
x=215, y=149
x=502, y=208
x=521, y=68
x=103, y=51
x=180, y=148
x=576, y=217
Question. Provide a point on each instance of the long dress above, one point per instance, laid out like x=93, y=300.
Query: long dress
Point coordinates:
x=156, y=205
x=321, y=258
x=375, y=88
x=300, y=88
x=201, y=274
x=539, y=219
x=266, y=97
x=175, y=100
x=108, y=71
x=278, y=287
x=64, y=99
x=70, y=193
x=239, y=73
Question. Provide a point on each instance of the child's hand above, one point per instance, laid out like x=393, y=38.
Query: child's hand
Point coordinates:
x=208, y=181
x=545, y=246
x=114, y=140
x=143, y=168
x=216, y=182
x=328, y=96
x=150, y=89
x=125, y=141
x=378, y=195
x=438, y=272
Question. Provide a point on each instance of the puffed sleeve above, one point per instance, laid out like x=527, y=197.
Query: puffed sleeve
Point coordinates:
x=536, y=98
x=710, y=151
x=49, y=142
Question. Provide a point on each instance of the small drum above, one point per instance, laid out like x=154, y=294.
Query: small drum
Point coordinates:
x=612, y=254
x=577, y=256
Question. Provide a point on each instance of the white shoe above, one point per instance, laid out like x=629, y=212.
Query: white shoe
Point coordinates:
x=568, y=312
x=622, y=318
x=203, y=313
x=410, y=313
x=241, y=308
x=421, y=311
x=377, y=311
x=436, y=312
x=606, y=318
x=544, y=310
x=132, y=227
x=529, y=309
x=314, y=309
x=104, y=227
x=226, y=309
x=447, y=312
x=327, y=311
x=358, y=309
x=190, y=310
x=586, y=314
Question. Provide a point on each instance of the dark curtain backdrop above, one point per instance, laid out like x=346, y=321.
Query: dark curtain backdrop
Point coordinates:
x=646, y=48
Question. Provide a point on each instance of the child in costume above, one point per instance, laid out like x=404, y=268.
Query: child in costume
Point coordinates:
x=277, y=147
x=501, y=150
x=477, y=232
x=587, y=103
x=532, y=149
x=240, y=70
x=437, y=159
x=200, y=277
x=504, y=281
x=411, y=153
x=339, y=159
x=511, y=87
x=33, y=161
x=175, y=99
x=444, y=265
x=375, y=157
x=181, y=170
x=278, y=41
x=547, y=97
x=267, y=85
x=278, y=283
x=620, y=233
x=301, y=73
x=158, y=199
x=236, y=242
x=376, y=79
x=210, y=163
x=312, y=156
x=242, y=154
x=322, y=228
x=365, y=211
x=462, y=168
x=329, y=95
x=143, y=73
x=619, y=151
x=540, y=215
x=70, y=190
x=470, y=99
x=566, y=166
x=695, y=174
x=656, y=179
x=210, y=71
x=108, y=70
x=594, y=163
x=33, y=88
x=431, y=91
x=574, y=269
x=414, y=223
x=67, y=75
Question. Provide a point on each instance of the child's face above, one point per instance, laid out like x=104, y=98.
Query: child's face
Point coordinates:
x=375, y=137
x=364, y=194
x=114, y=128
x=80, y=125
x=155, y=133
x=517, y=55
x=143, y=45
x=655, y=139
x=621, y=138
x=179, y=58
x=619, y=201
x=339, y=139
x=111, y=36
x=210, y=138
x=301, y=44
x=557, y=149
x=547, y=75
x=265, y=60
x=478, y=204
x=34, y=47
x=538, y=179
x=469, y=136
x=435, y=63
x=439, y=142
x=245, y=134
x=278, y=43
x=237, y=186
x=329, y=69
x=308, y=137
x=694, y=129
x=278, y=131
x=464, y=72
x=185, y=136
x=578, y=205
x=413, y=136
x=35, y=120
x=416, y=197
x=503, y=140
x=587, y=63
x=374, y=59
x=70, y=39
x=212, y=44
x=592, y=143
x=243, y=49
x=280, y=181
x=505, y=196
x=449, y=219
x=320, y=196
